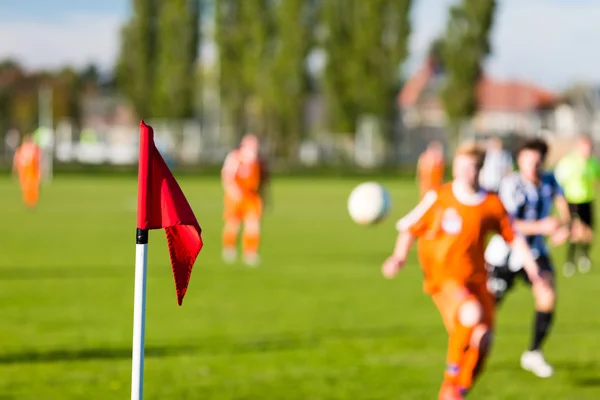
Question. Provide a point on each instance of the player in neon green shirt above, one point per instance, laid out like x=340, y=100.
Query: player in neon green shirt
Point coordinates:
x=578, y=174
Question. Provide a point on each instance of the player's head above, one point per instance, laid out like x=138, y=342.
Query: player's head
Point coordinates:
x=467, y=163
x=27, y=138
x=531, y=156
x=585, y=146
x=494, y=143
x=249, y=147
x=436, y=147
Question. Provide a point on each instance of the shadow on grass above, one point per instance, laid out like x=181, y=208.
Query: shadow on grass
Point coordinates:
x=205, y=346
x=585, y=374
x=29, y=273
x=582, y=374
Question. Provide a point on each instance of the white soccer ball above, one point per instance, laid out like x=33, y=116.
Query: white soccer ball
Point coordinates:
x=369, y=203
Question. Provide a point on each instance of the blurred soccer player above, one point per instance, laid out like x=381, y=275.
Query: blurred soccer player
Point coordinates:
x=578, y=174
x=243, y=175
x=430, y=168
x=528, y=196
x=26, y=165
x=451, y=225
x=498, y=163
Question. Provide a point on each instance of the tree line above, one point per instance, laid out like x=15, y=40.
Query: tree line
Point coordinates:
x=267, y=63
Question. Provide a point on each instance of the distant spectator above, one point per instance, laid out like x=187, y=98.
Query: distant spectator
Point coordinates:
x=497, y=164
x=11, y=143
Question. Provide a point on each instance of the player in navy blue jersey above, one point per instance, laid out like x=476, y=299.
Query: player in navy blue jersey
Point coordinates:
x=529, y=196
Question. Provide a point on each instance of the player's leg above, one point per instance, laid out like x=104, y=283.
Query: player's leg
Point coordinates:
x=480, y=343
x=572, y=245
x=587, y=221
x=30, y=189
x=461, y=313
x=230, y=230
x=31, y=194
x=545, y=296
x=251, y=235
x=500, y=281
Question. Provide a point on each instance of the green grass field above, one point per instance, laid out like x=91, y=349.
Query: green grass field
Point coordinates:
x=316, y=321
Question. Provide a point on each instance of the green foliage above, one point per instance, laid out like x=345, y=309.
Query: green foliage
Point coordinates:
x=465, y=46
x=243, y=31
x=137, y=59
x=366, y=44
x=159, y=50
x=286, y=81
x=176, y=73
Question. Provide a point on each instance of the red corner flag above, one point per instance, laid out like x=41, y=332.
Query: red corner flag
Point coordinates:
x=162, y=205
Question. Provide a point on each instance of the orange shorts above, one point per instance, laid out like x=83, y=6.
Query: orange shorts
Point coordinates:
x=247, y=207
x=452, y=295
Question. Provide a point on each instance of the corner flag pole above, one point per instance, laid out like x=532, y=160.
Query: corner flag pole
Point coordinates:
x=161, y=205
x=139, y=314
x=141, y=265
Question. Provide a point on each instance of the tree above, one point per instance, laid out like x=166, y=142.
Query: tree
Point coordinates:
x=287, y=81
x=465, y=46
x=137, y=59
x=366, y=45
x=341, y=68
x=242, y=35
x=176, y=72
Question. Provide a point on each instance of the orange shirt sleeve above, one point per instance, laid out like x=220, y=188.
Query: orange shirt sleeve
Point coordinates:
x=418, y=221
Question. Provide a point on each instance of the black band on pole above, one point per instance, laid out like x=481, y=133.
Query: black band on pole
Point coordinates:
x=141, y=236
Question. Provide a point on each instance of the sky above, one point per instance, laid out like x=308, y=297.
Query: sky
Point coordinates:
x=548, y=42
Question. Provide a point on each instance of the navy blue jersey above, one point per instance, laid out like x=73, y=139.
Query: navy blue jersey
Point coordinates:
x=525, y=201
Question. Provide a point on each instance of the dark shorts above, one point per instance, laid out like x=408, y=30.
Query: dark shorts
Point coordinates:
x=501, y=279
x=583, y=211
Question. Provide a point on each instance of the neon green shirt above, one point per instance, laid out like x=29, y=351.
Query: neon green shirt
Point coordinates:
x=578, y=177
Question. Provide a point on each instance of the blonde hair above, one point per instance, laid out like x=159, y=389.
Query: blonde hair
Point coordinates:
x=471, y=149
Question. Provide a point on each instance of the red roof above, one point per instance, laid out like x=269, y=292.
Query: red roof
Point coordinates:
x=492, y=94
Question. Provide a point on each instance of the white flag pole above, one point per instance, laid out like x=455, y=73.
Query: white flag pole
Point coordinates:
x=139, y=314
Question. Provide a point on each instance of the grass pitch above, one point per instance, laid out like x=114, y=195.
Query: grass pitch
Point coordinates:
x=316, y=321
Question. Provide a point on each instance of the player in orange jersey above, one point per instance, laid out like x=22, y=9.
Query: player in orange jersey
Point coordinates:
x=244, y=176
x=430, y=168
x=451, y=225
x=26, y=165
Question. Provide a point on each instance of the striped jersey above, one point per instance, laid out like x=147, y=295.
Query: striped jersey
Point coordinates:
x=525, y=201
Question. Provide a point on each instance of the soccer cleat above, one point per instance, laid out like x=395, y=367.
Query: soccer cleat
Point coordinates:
x=251, y=259
x=569, y=269
x=533, y=361
x=449, y=392
x=229, y=255
x=584, y=264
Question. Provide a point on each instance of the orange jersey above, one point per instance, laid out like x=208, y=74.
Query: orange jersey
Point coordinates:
x=247, y=176
x=27, y=159
x=452, y=227
x=430, y=171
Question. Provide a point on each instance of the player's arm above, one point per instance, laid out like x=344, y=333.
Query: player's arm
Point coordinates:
x=530, y=265
x=15, y=163
x=560, y=235
x=507, y=230
x=265, y=184
x=418, y=170
x=409, y=227
x=562, y=208
x=228, y=173
x=513, y=201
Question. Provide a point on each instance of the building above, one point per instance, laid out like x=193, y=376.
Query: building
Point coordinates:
x=505, y=107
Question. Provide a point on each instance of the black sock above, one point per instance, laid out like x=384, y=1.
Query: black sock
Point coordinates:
x=585, y=249
x=571, y=252
x=541, y=327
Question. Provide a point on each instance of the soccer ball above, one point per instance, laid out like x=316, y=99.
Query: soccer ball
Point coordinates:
x=369, y=203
